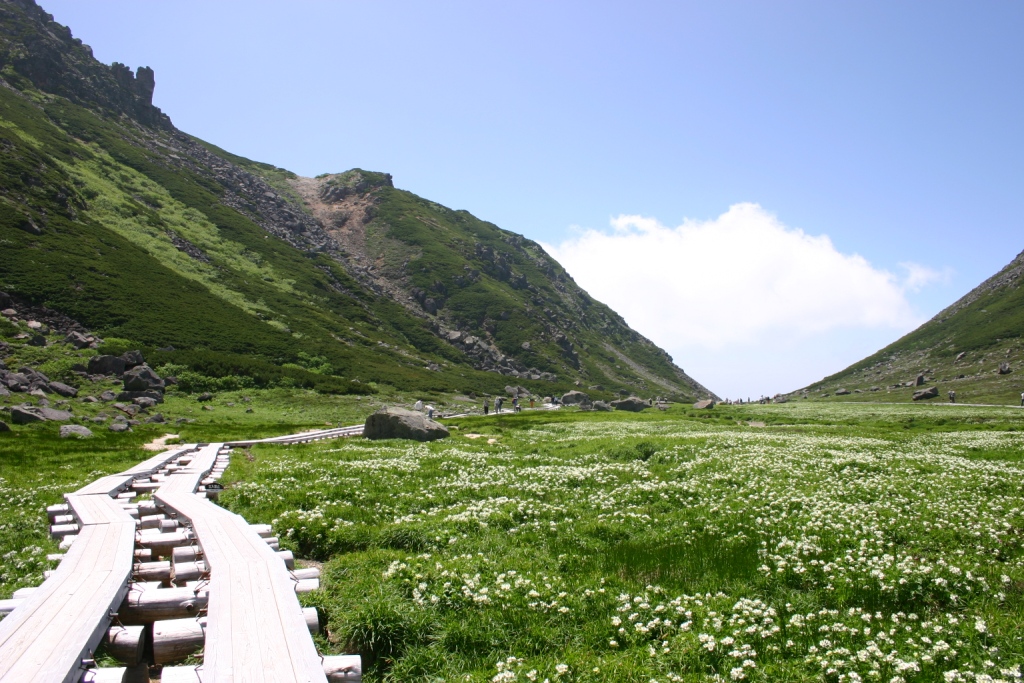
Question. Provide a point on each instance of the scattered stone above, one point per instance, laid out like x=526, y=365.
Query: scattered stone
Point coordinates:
x=108, y=396
x=132, y=359
x=602, y=406
x=705, y=404
x=106, y=365
x=875, y=389
x=399, y=423
x=142, y=378
x=632, y=404
x=207, y=407
x=842, y=392
x=133, y=396
x=1004, y=369
x=68, y=431
x=37, y=340
x=144, y=401
x=27, y=414
x=158, y=418
x=9, y=312
x=63, y=389
x=248, y=410
x=960, y=356
x=919, y=382
x=78, y=340
x=34, y=325
x=575, y=397
x=925, y=394
x=4, y=427
x=99, y=420
x=4, y=391
x=205, y=396
x=119, y=427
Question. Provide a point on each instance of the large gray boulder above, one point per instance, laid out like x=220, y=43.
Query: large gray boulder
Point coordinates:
x=63, y=389
x=78, y=431
x=78, y=340
x=919, y=382
x=704, y=405
x=25, y=414
x=601, y=406
x=632, y=404
x=574, y=397
x=842, y=392
x=142, y=378
x=924, y=394
x=399, y=423
x=4, y=427
x=106, y=365
x=119, y=427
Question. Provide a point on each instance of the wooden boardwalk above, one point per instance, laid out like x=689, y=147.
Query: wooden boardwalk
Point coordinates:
x=121, y=560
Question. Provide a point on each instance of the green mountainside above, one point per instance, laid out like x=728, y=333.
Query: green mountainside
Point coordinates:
x=114, y=221
x=973, y=347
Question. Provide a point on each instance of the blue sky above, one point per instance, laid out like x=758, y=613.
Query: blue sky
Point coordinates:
x=892, y=128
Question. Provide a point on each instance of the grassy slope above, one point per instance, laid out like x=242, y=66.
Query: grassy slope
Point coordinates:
x=986, y=326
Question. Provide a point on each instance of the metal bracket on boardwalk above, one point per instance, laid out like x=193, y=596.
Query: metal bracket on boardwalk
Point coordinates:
x=177, y=571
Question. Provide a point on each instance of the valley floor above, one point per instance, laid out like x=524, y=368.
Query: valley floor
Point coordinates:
x=798, y=542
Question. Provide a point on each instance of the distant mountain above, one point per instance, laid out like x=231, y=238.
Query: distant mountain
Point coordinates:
x=973, y=347
x=112, y=217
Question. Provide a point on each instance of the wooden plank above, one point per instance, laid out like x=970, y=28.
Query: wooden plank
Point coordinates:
x=98, y=509
x=255, y=626
x=45, y=639
x=110, y=485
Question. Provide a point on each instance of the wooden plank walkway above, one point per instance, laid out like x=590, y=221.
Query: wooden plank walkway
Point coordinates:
x=255, y=629
x=47, y=637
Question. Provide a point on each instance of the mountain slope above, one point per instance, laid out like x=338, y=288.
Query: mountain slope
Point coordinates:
x=961, y=349
x=113, y=217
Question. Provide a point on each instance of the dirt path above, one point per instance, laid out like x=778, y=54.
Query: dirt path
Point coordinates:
x=160, y=443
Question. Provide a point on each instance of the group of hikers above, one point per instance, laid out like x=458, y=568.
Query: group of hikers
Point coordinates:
x=500, y=401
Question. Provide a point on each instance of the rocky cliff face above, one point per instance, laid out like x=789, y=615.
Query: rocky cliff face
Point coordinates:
x=39, y=51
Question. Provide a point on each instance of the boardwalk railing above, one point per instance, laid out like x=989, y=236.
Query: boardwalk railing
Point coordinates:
x=158, y=580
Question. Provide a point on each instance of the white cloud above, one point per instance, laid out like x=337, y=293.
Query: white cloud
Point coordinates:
x=741, y=281
x=919, y=276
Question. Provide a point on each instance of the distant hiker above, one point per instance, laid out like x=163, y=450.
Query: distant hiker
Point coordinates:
x=531, y=403
x=418, y=406
x=1022, y=399
x=498, y=401
x=515, y=404
x=952, y=397
x=430, y=412
x=487, y=406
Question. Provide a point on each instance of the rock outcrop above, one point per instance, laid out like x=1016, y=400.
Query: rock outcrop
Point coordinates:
x=924, y=394
x=631, y=404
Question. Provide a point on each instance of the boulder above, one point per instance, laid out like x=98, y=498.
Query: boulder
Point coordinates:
x=108, y=395
x=37, y=340
x=136, y=396
x=919, y=382
x=4, y=391
x=842, y=392
x=158, y=418
x=132, y=359
x=78, y=340
x=1004, y=369
x=399, y=423
x=16, y=381
x=632, y=404
x=601, y=406
x=960, y=356
x=4, y=427
x=68, y=431
x=205, y=396
x=575, y=397
x=142, y=378
x=106, y=365
x=26, y=414
x=63, y=389
x=923, y=394
x=144, y=401
x=119, y=427
x=704, y=405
